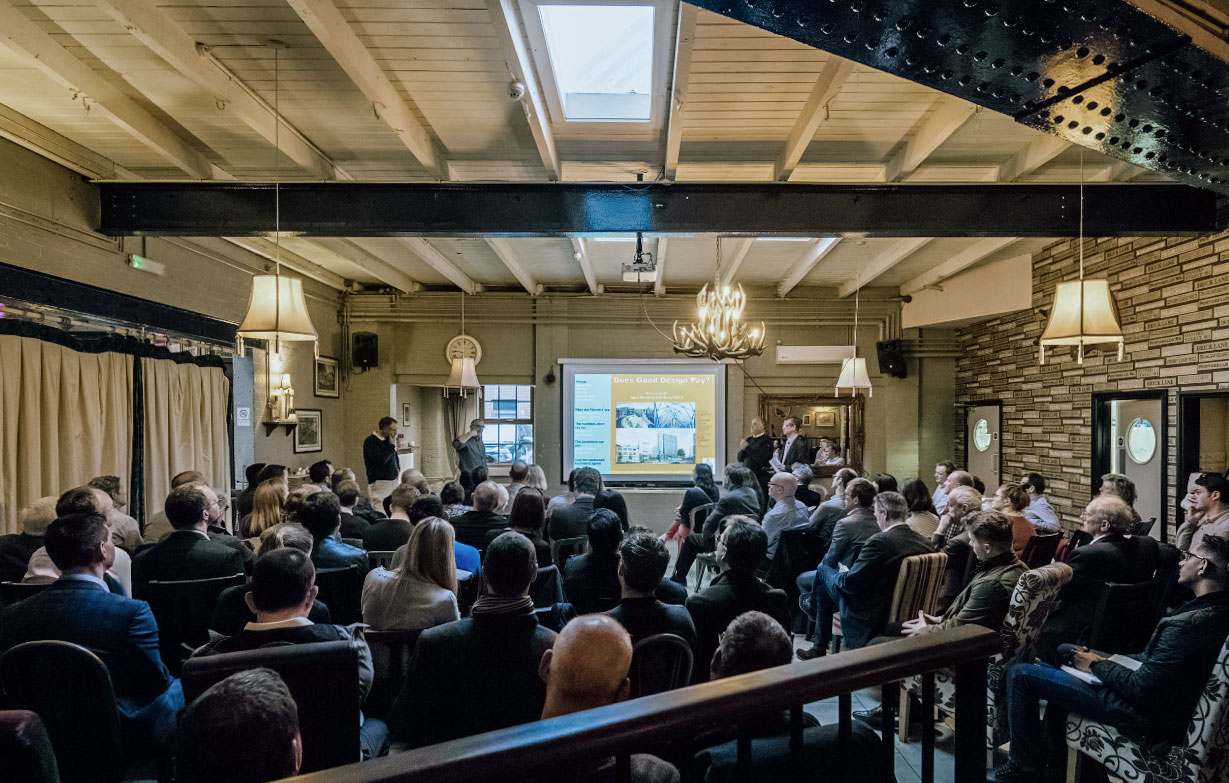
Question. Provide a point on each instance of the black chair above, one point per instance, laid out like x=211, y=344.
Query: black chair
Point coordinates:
x=70, y=688
x=1125, y=617
x=26, y=748
x=231, y=612
x=184, y=611
x=1166, y=577
x=322, y=678
x=1144, y=527
x=563, y=548
x=381, y=557
x=357, y=543
x=467, y=593
x=547, y=589
x=341, y=590
x=660, y=663
x=1040, y=550
x=391, y=652
x=12, y=592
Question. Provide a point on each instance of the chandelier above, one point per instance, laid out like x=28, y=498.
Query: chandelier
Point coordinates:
x=719, y=333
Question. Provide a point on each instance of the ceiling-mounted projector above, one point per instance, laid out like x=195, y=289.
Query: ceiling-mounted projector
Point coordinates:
x=643, y=268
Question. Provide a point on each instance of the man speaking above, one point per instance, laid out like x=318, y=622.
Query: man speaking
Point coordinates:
x=380, y=459
x=471, y=452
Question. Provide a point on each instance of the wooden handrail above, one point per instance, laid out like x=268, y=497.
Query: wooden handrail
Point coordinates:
x=631, y=726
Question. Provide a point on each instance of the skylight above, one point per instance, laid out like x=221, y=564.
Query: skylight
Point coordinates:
x=602, y=58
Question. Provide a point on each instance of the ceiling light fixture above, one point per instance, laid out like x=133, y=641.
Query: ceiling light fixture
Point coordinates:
x=462, y=375
x=853, y=370
x=719, y=333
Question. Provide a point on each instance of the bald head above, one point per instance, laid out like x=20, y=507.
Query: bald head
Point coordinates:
x=486, y=496
x=587, y=667
x=782, y=485
x=757, y=426
x=959, y=478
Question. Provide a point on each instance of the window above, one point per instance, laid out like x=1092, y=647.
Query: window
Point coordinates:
x=602, y=59
x=508, y=412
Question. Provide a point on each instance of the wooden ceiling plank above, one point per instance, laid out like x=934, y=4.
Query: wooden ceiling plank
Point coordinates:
x=957, y=263
x=335, y=34
x=659, y=285
x=20, y=129
x=1038, y=153
x=834, y=75
x=741, y=248
x=947, y=116
x=292, y=261
x=436, y=260
x=376, y=266
x=503, y=249
x=520, y=66
x=684, y=45
x=814, y=253
x=586, y=266
x=897, y=252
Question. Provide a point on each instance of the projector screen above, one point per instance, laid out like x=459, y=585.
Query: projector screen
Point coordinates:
x=642, y=421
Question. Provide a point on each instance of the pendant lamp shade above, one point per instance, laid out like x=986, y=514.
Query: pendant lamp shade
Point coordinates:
x=277, y=311
x=854, y=377
x=463, y=375
x=1083, y=314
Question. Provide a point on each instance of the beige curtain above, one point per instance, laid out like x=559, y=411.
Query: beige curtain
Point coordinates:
x=65, y=417
x=185, y=426
x=436, y=459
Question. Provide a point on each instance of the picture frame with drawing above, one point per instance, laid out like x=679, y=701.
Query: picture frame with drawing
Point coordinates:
x=308, y=435
x=328, y=380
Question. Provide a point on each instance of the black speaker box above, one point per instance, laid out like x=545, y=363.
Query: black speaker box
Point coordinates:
x=366, y=352
x=892, y=359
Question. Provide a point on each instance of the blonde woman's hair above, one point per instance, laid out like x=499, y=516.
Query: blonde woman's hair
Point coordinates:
x=430, y=556
x=268, y=509
x=537, y=478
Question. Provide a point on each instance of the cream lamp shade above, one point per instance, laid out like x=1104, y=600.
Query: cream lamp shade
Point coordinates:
x=277, y=311
x=463, y=375
x=1079, y=320
x=854, y=377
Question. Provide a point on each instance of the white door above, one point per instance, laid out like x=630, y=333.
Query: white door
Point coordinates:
x=983, y=446
x=1135, y=452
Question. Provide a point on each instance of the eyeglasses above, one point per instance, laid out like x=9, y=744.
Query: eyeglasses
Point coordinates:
x=1186, y=554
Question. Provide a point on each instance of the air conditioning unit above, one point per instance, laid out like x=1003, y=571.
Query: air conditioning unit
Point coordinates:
x=813, y=354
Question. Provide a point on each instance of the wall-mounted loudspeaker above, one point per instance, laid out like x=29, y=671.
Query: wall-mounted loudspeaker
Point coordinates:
x=892, y=358
x=366, y=351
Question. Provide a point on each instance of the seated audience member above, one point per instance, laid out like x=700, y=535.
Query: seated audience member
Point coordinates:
x=159, y=527
x=502, y=504
x=614, y=501
x=451, y=494
x=1010, y=500
x=517, y=474
x=536, y=478
x=479, y=673
x=571, y=521
x=473, y=525
x=588, y=668
x=980, y=486
x=591, y=580
x=283, y=590
x=528, y=518
x=703, y=492
x=863, y=594
x=243, y=503
x=668, y=591
x=567, y=498
x=124, y=529
x=389, y=534
x=1209, y=501
x=885, y=482
x=785, y=511
x=252, y=718
x=1154, y=702
x=642, y=564
x=83, y=500
x=422, y=593
x=1112, y=556
x=741, y=547
x=827, y=513
x=363, y=507
x=279, y=475
x=187, y=553
x=952, y=538
x=467, y=558
x=427, y=506
x=922, y=515
x=957, y=478
x=79, y=608
x=231, y=612
x=321, y=515
x=1039, y=511
x=318, y=475
x=268, y=510
x=352, y=525
x=1119, y=486
x=467, y=489
x=942, y=471
x=845, y=535
x=807, y=496
x=754, y=641
x=740, y=498
x=17, y=548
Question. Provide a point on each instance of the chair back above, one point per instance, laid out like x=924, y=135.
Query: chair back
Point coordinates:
x=357, y=543
x=341, y=590
x=698, y=515
x=390, y=655
x=322, y=678
x=1030, y=607
x=467, y=593
x=381, y=557
x=1207, y=737
x=1040, y=549
x=660, y=663
x=917, y=586
x=547, y=589
x=26, y=748
x=1125, y=619
x=1166, y=577
x=1144, y=527
x=564, y=548
x=70, y=689
x=184, y=611
x=12, y=592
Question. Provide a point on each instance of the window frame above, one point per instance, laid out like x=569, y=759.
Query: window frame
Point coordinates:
x=489, y=422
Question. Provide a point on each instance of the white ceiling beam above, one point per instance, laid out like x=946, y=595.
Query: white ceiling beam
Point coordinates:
x=586, y=266
x=266, y=248
x=659, y=285
x=1039, y=152
x=503, y=249
x=898, y=251
x=814, y=253
x=433, y=258
x=956, y=264
x=947, y=115
x=684, y=44
x=516, y=56
x=164, y=37
x=830, y=81
x=379, y=268
x=333, y=31
x=41, y=140
x=25, y=38
x=741, y=248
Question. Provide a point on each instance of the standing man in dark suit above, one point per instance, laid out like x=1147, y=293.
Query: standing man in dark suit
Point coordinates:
x=741, y=547
x=863, y=593
x=793, y=447
x=739, y=498
x=755, y=453
x=572, y=520
x=79, y=608
x=380, y=460
x=187, y=553
x=1112, y=556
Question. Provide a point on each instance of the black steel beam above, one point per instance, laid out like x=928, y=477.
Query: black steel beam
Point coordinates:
x=1100, y=73
x=557, y=209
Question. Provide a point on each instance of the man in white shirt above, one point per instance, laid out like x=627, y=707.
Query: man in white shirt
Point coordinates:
x=1039, y=511
x=83, y=500
x=787, y=511
x=1210, y=498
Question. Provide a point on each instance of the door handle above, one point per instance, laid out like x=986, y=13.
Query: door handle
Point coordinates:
x=994, y=464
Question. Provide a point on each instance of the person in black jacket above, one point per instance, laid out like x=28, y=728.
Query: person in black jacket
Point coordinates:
x=642, y=564
x=188, y=552
x=380, y=460
x=755, y=453
x=591, y=580
x=1152, y=703
x=739, y=499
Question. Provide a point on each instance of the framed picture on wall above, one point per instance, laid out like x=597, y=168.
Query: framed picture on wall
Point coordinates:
x=328, y=383
x=825, y=418
x=405, y=415
x=806, y=420
x=308, y=436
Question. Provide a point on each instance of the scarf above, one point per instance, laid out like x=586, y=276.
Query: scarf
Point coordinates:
x=489, y=605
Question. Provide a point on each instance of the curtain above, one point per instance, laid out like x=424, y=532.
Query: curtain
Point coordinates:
x=436, y=460
x=65, y=417
x=185, y=409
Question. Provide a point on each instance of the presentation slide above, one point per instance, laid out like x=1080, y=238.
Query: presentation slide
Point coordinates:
x=643, y=421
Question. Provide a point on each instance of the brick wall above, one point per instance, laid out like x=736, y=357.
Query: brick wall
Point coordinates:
x=1173, y=300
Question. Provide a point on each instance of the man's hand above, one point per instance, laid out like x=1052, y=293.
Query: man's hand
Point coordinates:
x=917, y=625
x=1084, y=658
x=742, y=444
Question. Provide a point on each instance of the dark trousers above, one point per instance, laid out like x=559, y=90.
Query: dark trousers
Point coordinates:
x=693, y=546
x=1033, y=742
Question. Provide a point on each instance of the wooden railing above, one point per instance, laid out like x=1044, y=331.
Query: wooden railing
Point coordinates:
x=544, y=747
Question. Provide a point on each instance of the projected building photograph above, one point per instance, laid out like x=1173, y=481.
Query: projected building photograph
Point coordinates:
x=676, y=446
x=655, y=415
